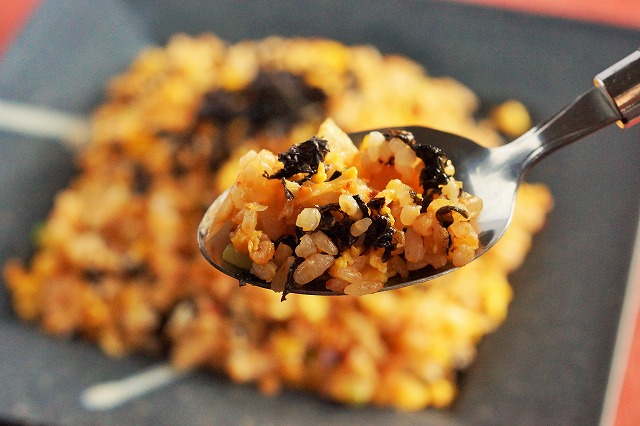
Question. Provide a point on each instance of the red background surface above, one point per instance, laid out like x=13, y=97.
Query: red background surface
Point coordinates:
x=14, y=14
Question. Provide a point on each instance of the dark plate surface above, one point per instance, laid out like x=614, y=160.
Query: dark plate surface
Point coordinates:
x=547, y=364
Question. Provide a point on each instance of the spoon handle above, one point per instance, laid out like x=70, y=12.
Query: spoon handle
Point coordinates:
x=615, y=98
x=621, y=82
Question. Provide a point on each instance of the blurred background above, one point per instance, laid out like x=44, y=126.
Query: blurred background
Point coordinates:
x=623, y=13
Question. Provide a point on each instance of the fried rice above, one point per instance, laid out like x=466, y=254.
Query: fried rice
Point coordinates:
x=353, y=218
x=116, y=261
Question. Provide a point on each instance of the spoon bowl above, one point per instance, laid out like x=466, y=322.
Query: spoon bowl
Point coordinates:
x=493, y=174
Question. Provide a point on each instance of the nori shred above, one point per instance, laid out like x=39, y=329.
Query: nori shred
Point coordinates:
x=304, y=158
x=336, y=224
x=362, y=206
x=335, y=175
x=432, y=175
x=444, y=215
x=92, y=275
x=142, y=179
x=274, y=101
x=375, y=204
x=380, y=235
x=340, y=233
x=327, y=219
x=414, y=196
x=287, y=192
x=289, y=240
x=288, y=285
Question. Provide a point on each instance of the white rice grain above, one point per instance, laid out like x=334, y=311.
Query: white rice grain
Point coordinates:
x=312, y=268
x=308, y=219
x=323, y=243
x=306, y=247
x=349, y=205
x=414, y=249
x=360, y=227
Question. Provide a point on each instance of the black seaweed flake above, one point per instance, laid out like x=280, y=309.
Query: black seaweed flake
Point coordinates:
x=221, y=106
x=282, y=99
x=304, y=158
x=135, y=270
x=414, y=196
x=178, y=170
x=131, y=270
x=289, y=240
x=403, y=135
x=340, y=233
x=288, y=285
x=142, y=179
x=336, y=224
x=94, y=276
x=327, y=218
x=444, y=215
x=335, y=175
x=375, y=204
x=380, y=235
x=432, y=176
x=363, y=207
x=287, y=192
x=275, y=100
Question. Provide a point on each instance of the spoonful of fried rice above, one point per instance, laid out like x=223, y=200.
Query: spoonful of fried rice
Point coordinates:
x=387, y=208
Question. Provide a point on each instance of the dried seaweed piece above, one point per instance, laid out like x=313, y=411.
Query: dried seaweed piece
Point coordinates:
x=432, y=175
x=221, y=106
x=282, y=99
x=304, y=158
x=288, y=285
x=289, y=240
x=93, y=276
x=335, y=175
x=380, y=235
x=142, y=179
x=327, y=219
x=361, y=205
x=414, y=196
x=336, y=224
x=340, y=233
x=444, y=215
x=375, y=204
x=287, y=192
x=275, y=100
x=403, y=135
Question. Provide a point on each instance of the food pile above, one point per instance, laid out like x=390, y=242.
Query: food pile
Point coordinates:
x=326, y=210
x=117, y=262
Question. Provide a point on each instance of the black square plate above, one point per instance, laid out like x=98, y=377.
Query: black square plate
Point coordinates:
x=548, y=363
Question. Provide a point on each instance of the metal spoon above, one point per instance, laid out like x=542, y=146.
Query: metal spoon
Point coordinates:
x=492, y=174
